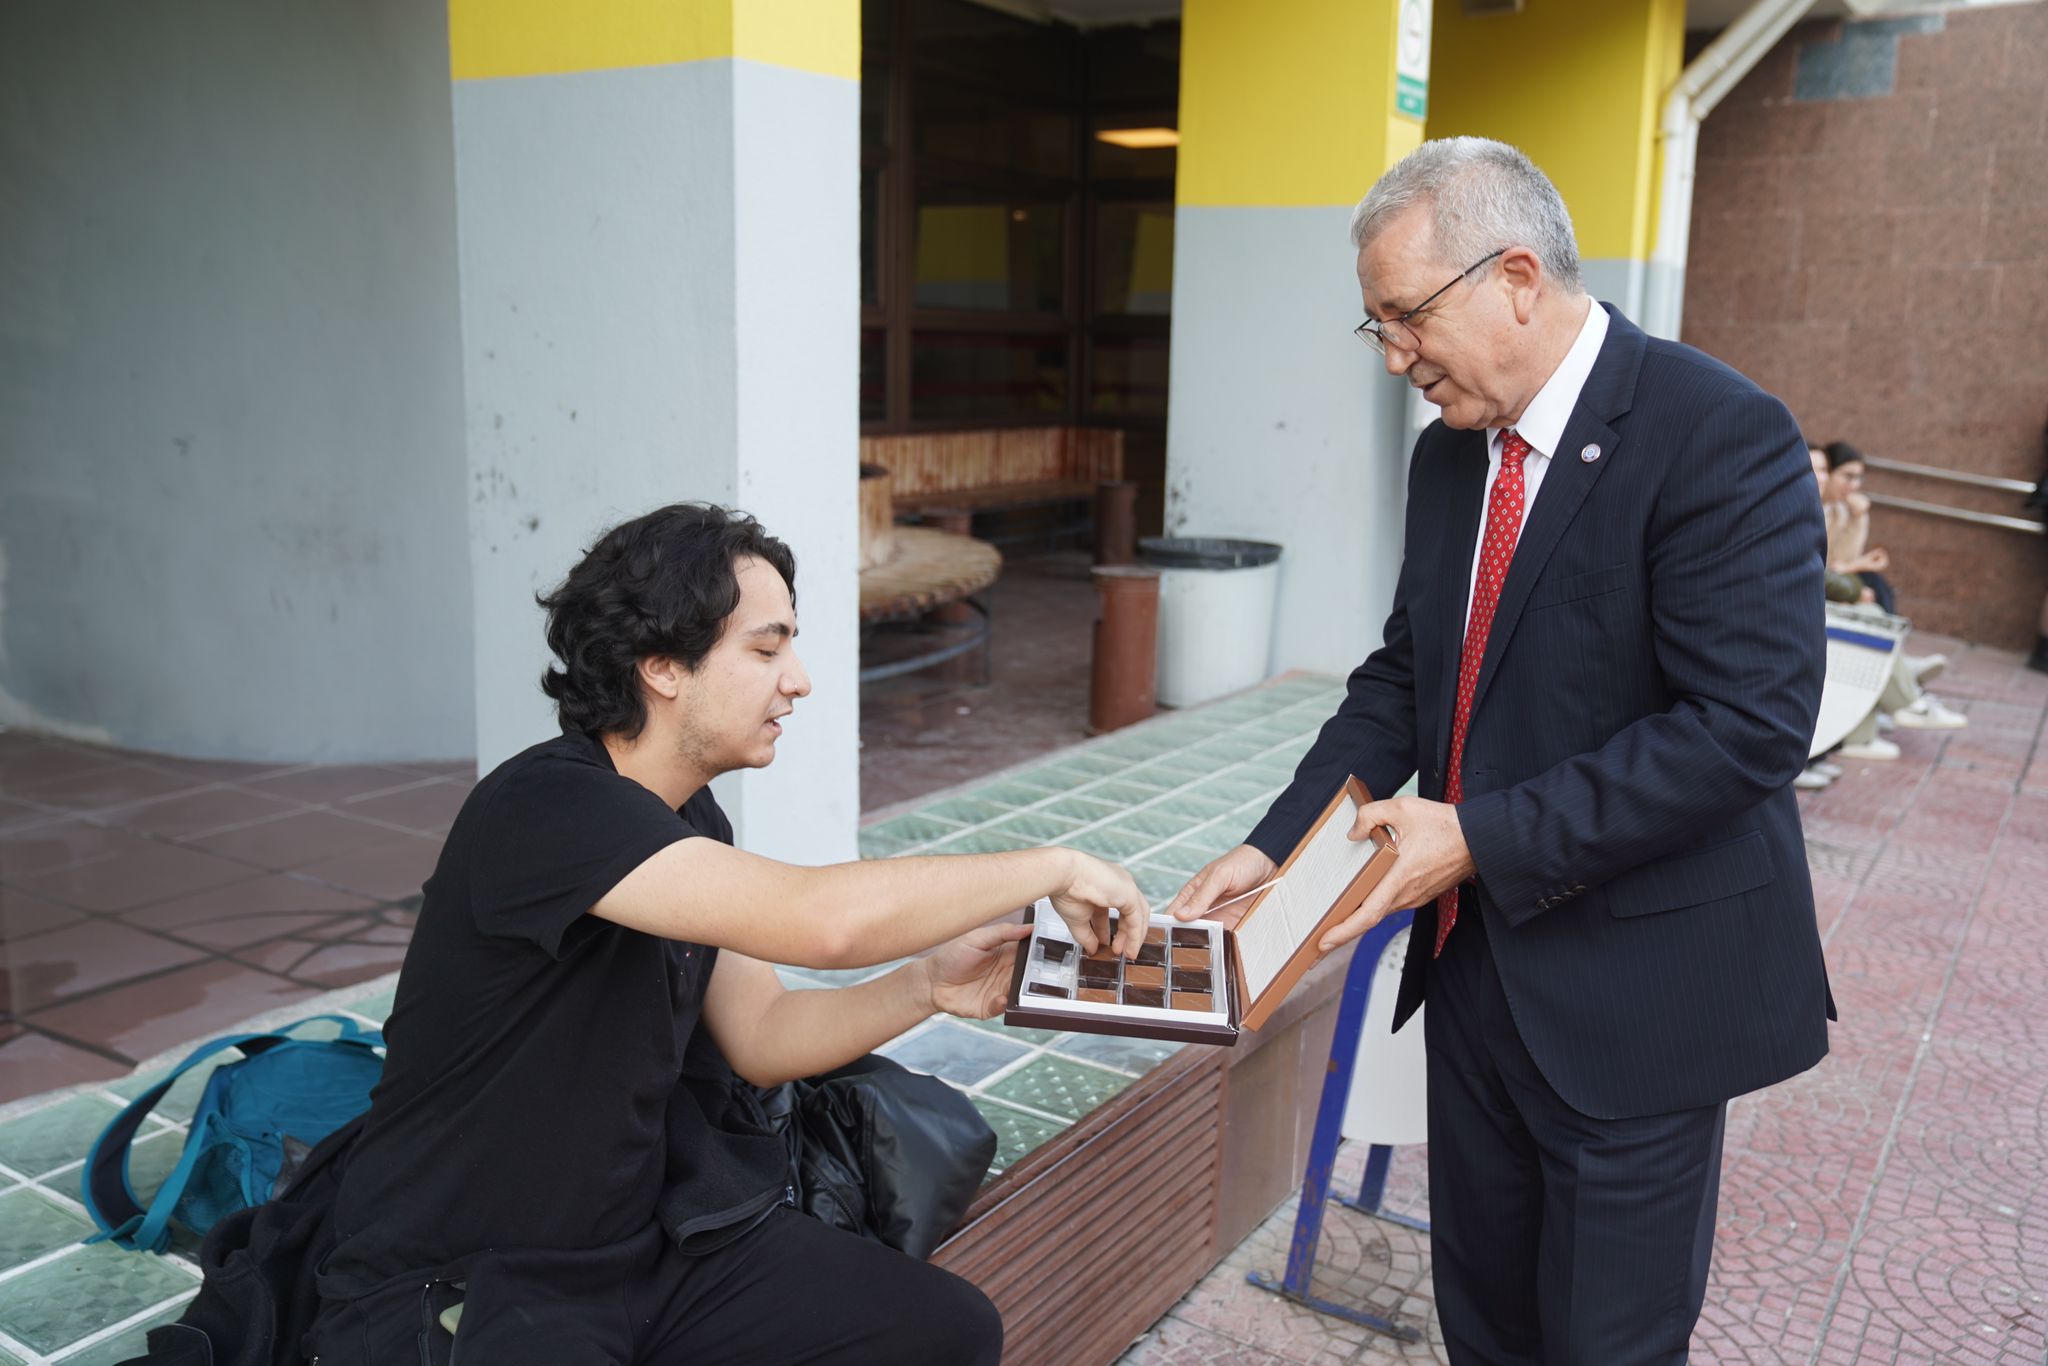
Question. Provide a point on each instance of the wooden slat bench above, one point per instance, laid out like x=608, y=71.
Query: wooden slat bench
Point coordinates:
x=932, y=474
x=1089, y=1239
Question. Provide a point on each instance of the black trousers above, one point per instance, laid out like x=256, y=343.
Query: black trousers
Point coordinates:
x=1555, y=1237
x=790, y=1290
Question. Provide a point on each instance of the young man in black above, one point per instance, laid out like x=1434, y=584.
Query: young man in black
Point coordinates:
x=555, y=1141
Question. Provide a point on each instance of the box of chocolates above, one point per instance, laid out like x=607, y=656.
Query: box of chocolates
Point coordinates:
x=1176, y=987
x=1200, y=982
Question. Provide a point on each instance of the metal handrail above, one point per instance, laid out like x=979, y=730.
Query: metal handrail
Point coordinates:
x=1982, y=481
x=1960, y=514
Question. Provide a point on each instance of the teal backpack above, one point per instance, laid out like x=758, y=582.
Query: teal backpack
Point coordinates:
x=282, y=1090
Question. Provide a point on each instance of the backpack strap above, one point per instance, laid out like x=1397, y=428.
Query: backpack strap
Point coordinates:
x=104, y=1186
x=351, y=1032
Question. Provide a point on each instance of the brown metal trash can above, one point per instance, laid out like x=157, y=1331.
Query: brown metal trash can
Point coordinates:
x=1121, y=685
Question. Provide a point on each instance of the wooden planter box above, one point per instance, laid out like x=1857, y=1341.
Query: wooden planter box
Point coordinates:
x=1090, y=1239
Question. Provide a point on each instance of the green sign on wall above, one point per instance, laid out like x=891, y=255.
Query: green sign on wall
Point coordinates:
x=1411, y=61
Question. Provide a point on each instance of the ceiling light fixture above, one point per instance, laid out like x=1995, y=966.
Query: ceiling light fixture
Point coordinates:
x=1139, y=139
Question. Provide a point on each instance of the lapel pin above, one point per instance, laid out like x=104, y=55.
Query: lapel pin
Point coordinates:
x=1590, y=454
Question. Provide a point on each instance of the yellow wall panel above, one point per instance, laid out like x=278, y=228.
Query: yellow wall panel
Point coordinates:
x=963, y=244
x=1287, y=102
x=805, y=35
x=488, y=38
x=1577, y=86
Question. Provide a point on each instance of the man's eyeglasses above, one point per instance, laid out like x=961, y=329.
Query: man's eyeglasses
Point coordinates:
x=1399, y=332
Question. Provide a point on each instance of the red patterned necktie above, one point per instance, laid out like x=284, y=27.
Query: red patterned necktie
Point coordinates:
x=1503, y=525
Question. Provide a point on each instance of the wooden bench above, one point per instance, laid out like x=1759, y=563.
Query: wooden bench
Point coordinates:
x=947, y=476
x=1089, y=1239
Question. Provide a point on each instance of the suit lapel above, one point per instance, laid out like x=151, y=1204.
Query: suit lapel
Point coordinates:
x=1609, y=390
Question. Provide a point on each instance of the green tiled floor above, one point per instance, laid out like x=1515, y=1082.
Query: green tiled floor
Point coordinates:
x=1017, y=1131
x=1053, y=1085
x=47, y=1305
x=63, y=1301
x=32, y=1224
x=1168, y=794
x=1162, y=797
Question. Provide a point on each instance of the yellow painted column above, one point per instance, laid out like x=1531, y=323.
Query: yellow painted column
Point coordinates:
x=1579, y=87
x=657, y=211
x=1280, y=425
x=1288, y=102
x=488, y=38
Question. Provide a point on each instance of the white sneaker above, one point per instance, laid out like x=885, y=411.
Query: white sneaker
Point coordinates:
x=1811, y=780
x=1825, y=768
x=1881, y=750
x=1928, y=714
x=1925, y=667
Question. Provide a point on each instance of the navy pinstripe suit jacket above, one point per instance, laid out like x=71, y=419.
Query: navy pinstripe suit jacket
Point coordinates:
x=1647, y=696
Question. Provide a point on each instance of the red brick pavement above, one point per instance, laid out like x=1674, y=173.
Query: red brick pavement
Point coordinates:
x=1891, y=1205
x=147, y=901
x=1886, y=1206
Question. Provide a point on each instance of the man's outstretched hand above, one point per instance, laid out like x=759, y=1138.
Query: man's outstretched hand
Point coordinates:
x=1234, y=874
x=1092, y=890
x=970, y=976
x=1433, y=860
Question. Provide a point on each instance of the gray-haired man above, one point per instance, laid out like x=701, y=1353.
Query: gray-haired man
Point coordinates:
x=1603, y=662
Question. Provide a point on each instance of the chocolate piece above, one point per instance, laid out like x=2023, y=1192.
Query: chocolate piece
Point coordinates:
x=1097, y=994
x=1189, y=979
x=1103, y=952
x=1055, y=950
x=1152, y=955
x=1185, y=957
x=1139, y=976
x=1193, y=1000
x=1096, y=973
x=1190, y=939
x=1042, y=989
x=1155, y=935
x=1144, y=996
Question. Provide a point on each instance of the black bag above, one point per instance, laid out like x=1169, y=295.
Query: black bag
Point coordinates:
x=872, y=1148
x=258, y=1298
x=882, y=1151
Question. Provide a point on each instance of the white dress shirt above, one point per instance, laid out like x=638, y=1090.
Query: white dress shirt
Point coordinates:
x=1542, y=426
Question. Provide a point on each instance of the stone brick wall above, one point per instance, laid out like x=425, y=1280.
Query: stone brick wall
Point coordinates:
x=1870, y=242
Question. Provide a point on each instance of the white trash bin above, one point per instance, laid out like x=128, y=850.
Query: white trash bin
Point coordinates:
x=1215, y=614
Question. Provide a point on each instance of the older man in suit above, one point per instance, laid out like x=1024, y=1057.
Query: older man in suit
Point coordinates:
x=1603, y=661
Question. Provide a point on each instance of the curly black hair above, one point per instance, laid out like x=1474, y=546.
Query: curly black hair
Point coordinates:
x=659, y=586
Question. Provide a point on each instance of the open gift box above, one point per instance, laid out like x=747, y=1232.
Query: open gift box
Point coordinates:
x=1199, y=982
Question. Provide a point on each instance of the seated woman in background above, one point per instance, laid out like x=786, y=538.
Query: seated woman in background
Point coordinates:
x=1903, y=699
x=1847, y=509
x=1855, y=579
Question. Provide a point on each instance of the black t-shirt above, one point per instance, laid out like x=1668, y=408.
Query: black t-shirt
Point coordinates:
x=546, y=1080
